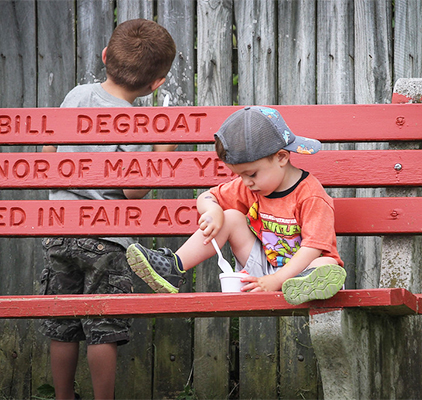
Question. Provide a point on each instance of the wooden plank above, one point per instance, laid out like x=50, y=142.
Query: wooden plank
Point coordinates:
x=94, y=28
x=256, y=34
x=256, y=28
x=296, y=49
x=362, y=123
x=407, y=39
x=189, y=305
x=18, y=88
x=215, y=88
x=173, y=355
x=359, y=216
x=56, y=45
x=335, y=168
x=297, y=84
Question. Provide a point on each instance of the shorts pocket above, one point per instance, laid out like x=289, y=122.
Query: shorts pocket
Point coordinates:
x=120, y=284
x=92, y=245
x=48, y=243
x=44, y=279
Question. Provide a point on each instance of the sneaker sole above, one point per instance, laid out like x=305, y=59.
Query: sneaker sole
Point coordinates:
x=322, y=283
x=142, y=268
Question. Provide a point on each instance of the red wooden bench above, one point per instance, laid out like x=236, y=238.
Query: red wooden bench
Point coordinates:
x=396, y=123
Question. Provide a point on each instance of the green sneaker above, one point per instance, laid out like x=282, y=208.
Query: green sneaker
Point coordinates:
x=314, y=284
x=159, y=269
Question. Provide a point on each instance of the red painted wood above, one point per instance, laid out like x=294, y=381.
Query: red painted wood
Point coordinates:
x=332, y=123
x=183, y=305
x=357, y=168
x=172, y=217
x=375, y=216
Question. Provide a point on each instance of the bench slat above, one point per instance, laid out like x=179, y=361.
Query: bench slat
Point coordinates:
x=328, y=123
x=172, y=217
x=357, y=168
x=183, y=305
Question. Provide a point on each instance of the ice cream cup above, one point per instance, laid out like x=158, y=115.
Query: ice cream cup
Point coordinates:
x=230, y=282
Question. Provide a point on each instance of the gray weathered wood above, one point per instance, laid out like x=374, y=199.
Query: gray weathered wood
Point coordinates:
x=18, y=88
x=373, y=75
x=335, y=85
x=173, y=337
x=297, y=85
x=407, y=39
x=56, y=51
x=214, y=47
x=256, y=51
x=296, y=52
x=256, y=36
x=94, y=28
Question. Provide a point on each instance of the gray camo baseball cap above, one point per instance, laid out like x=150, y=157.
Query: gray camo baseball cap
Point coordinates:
x=256, y=132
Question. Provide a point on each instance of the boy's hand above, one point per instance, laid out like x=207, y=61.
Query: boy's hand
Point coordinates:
x=210, y=224
x=267, y=283
x=212, y=215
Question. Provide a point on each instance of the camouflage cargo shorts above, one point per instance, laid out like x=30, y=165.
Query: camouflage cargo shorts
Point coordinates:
x=85, y=266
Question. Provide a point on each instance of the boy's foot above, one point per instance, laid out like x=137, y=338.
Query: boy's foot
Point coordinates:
x=314, y=284
x=157, y=268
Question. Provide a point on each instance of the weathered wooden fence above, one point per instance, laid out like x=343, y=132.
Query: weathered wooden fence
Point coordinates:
x=241, y=51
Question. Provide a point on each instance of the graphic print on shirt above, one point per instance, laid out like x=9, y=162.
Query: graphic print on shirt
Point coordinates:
x=280, y=237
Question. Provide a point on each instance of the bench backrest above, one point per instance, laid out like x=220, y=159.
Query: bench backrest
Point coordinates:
x=395, y=124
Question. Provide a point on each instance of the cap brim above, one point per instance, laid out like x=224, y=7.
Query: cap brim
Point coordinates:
x=304, y=145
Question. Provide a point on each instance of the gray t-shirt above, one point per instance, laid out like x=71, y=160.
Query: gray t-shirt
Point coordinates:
x=93, y=95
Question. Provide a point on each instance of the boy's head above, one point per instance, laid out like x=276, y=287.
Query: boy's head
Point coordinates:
x=139, y=53
x=257, y=132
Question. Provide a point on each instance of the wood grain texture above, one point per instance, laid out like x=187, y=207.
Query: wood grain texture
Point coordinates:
x=183, y=305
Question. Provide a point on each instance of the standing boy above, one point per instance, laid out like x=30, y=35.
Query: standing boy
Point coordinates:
x=278, y=219
x=137, y=59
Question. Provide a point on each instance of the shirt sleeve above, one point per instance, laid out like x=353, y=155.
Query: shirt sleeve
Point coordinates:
x=317, y=223
x=233, y=195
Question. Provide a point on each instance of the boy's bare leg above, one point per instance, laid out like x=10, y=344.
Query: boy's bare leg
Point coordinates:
x=234, y=230
x=162, y=270
x=102, y=360
x=64, y=360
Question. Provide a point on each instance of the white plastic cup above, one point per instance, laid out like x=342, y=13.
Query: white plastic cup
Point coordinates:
x=230, y=281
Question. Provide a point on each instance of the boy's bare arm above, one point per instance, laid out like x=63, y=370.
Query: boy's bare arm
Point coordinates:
x=164, y=147
x=135, y=193
x=141, y=193
x=49, y=149
x=212, y=215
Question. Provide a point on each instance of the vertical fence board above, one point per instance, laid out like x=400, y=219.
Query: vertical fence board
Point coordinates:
x=18, y=88
x=335, y=85
x=214, y=69
x=407, y=39
x=256, y=42
x=257, y=51
x=173, y=336
x=373, y=76
x=296, y=51
x=94, y=28
x=297, y=85
x=56, y=51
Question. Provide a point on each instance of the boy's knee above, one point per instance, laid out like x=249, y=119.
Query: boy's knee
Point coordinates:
x=232, y=215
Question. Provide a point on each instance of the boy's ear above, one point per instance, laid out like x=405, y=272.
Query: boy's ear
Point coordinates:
x=104, y=55
x=156, y=84
x=283, y=157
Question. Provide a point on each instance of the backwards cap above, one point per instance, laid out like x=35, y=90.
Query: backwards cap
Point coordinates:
x=256, y=132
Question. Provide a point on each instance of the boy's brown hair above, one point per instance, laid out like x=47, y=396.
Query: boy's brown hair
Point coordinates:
x=139, y=52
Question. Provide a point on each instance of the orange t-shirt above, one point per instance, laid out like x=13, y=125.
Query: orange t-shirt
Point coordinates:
x=283, y=221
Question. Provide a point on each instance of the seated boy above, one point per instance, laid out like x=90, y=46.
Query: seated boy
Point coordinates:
x=278, y=219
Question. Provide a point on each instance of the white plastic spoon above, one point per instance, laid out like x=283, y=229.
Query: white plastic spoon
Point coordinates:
x=222, y=262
